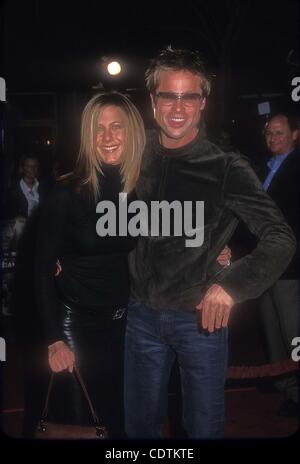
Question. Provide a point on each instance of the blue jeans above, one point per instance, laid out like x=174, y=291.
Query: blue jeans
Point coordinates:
x=153, y=339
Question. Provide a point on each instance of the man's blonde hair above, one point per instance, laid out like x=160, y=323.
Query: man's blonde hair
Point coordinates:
x=170, y=59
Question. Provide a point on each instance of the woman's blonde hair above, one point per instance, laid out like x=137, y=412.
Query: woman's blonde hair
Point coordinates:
x=89, y=164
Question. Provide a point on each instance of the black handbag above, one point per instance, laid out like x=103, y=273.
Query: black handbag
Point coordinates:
x=49, y=430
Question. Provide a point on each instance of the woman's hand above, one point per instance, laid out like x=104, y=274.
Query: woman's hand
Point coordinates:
x=60, y=357
x=58, y=268
x=225, y=256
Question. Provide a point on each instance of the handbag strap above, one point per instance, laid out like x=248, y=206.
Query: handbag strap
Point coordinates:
x=80, y=380
x=85, y=392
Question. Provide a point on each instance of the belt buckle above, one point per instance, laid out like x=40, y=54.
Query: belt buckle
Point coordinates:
x=119, y=313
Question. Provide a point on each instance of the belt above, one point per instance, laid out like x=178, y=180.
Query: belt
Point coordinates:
x=76, y=314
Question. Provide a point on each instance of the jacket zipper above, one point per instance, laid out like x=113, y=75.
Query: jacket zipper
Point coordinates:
x=165, y=163
x=161, y=188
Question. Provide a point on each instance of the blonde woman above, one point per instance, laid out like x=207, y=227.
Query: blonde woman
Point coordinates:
x=84, y=307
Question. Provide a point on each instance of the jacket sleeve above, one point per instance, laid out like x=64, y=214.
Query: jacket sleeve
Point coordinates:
x=244, y=196
x=48, y=249
x=15, y=204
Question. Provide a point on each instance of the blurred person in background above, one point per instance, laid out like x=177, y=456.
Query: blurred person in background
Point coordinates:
x=24, y=195
x=280, y=303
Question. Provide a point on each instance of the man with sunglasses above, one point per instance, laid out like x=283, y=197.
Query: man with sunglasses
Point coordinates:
x=181, y=297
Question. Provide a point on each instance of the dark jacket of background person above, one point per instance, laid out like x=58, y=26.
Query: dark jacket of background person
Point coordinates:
x=16, y=202
x=28, y=323
x=23, y=305
x=165, y=273
x=285, y=191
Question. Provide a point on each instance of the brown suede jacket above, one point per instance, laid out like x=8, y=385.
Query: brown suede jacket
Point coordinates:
x=165, y=274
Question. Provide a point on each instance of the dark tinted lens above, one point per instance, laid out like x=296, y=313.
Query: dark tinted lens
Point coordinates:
x=190, y=97
x=167, y=97
x=187, y=98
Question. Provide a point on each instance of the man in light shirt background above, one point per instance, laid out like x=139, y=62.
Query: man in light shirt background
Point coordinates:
x=24, y=196
x=280, y=303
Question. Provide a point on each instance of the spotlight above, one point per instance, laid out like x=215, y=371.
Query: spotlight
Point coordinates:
x=114, y=68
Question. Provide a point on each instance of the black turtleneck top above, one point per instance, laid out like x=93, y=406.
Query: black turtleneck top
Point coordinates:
x=94, y=269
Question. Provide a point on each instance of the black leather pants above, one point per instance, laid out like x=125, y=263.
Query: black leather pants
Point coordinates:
x=97, y=340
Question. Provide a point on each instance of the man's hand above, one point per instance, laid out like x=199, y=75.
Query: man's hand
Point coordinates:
x=60, y=357
x=225, y=256
x=216, y=307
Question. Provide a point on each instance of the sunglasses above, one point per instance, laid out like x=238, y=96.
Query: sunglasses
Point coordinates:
x=187, y=99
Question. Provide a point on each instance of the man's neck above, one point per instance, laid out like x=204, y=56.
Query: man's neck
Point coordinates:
x=29, y=182
x=289, y=150
x=168, y=142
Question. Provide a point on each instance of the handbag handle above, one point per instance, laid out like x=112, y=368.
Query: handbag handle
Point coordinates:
x=100, y=430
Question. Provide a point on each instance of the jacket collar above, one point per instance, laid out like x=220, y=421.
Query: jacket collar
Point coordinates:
x=189, y=149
